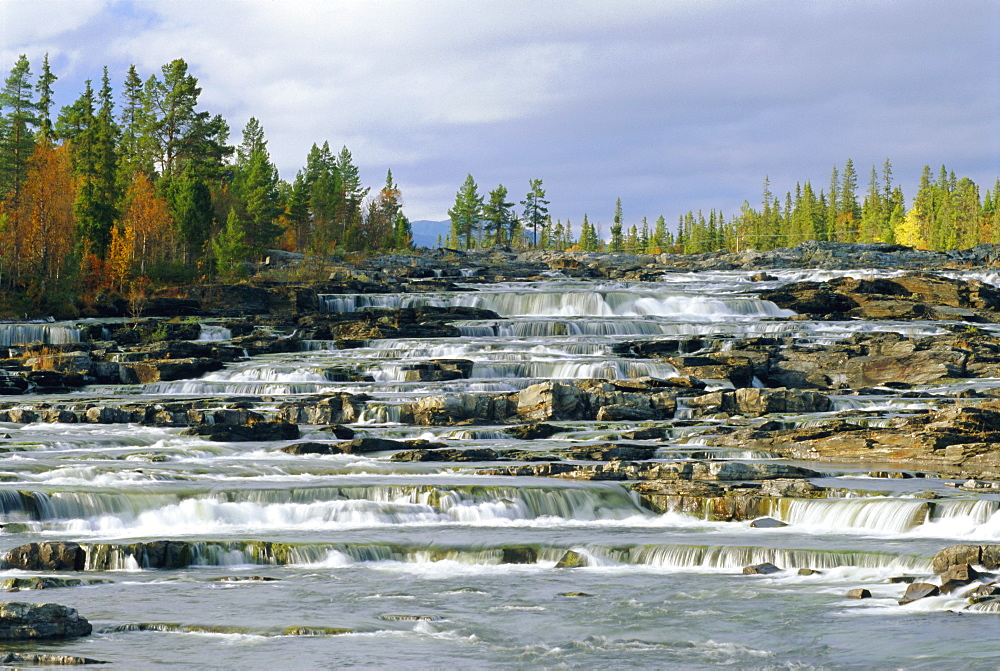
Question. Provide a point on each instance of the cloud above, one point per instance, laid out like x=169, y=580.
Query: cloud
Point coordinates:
x=670, y=105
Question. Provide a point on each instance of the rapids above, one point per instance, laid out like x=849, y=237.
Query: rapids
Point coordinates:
x=378, y=563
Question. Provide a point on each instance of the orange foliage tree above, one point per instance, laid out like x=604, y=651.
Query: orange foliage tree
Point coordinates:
x=39, y=227
x=143, y=242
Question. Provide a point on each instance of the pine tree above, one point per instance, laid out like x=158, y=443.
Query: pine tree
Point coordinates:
x=17, y=137
x=535, y=208
x=498, y=217
x=467, y=213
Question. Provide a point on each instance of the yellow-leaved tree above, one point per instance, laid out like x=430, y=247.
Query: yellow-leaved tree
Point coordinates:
x=907, y=231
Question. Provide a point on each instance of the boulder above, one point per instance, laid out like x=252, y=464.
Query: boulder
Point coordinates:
x=47, y=556
x=20, y=621
x=572, y=559
x=956, y=555
x=859, y=593
x=918, y=590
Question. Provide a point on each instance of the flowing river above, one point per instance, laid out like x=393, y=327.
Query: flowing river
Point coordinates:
x=375, y=563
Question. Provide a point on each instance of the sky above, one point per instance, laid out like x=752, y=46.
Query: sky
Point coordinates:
x=670, y=105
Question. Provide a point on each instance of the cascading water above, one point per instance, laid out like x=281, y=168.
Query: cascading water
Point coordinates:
x=444, y=563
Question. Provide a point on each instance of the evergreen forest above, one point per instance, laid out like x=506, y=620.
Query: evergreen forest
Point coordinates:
x=120, y=193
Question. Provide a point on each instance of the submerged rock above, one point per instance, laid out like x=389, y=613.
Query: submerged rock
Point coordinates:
x=39, y=659
x=767, y=523
x=767, y=568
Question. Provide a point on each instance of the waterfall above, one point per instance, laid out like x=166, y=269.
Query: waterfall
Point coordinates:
x=46, y=334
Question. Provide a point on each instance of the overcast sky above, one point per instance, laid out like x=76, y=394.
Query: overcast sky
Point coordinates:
x=669, y=104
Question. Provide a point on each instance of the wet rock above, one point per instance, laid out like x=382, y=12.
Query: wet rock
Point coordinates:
x=650, y=433
x=767, y=523
x=918, y=590
x=955, y=555
x=551, y=400
x=612, y=451
x=165, y=370
x=46, y=556
x=989, y=592
x=337, y=408
x=957, y=575
x=574, y=594
x=339, y=431
x=767, y=568
x=244, y=578
x=13, y=584
x=21, y=621
x=312, y=448
x=519, y=555
x=534, y=431
x=572, y=559
x=859, y=593
x=257, y=432
x=809, y=571
x=454, y=455
x=901, y=580
x=439, y=370
x=39, y=659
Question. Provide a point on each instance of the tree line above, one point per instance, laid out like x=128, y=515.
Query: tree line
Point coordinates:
x=116, y=192
x=946, y=213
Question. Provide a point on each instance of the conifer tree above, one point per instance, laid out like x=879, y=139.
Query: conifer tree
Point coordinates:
x=45, y=81
x=255, y=184
x=498, y=217
x=617, y=239
x=467, y=213
x=230, y=247
x=535, y=208
x=17, y=137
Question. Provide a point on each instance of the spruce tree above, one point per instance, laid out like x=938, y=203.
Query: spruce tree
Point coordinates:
x=617, y=239
x=230, y=248
x=45, y=81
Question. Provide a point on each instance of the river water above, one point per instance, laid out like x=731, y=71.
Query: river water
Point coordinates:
x=407, y=556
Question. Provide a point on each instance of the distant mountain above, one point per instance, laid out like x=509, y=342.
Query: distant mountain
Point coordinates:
x=426, y=232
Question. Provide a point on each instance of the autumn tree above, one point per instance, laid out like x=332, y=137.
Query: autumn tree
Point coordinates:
x=142, y=245
x=39, y=238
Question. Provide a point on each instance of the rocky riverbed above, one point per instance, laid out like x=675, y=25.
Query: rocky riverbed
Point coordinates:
x=824, y=418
